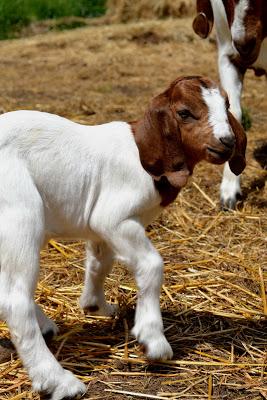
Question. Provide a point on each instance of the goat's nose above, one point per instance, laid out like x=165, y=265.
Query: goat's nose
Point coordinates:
x=228, y=141
x=245, y=48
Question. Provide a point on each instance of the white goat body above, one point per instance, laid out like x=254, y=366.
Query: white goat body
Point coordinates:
x=60, y=178
x=93, y=158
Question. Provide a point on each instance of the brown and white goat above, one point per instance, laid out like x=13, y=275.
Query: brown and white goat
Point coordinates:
x=103, y=184
x=241, y=29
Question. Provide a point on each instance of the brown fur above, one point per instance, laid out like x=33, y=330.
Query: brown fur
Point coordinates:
x=203, y=22
x=237, y=163
x=170, y=148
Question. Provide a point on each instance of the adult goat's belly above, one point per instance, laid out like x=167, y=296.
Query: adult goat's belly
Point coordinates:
x=261, y=61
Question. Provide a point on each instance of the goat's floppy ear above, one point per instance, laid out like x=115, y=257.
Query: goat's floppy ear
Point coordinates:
x=173, y=158
x=203, y=22
x=237, y=162
x=160, y=145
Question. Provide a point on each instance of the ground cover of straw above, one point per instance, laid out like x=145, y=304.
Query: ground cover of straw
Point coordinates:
x=213, y=299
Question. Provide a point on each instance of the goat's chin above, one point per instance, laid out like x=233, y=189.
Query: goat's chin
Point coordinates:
x=214, y=156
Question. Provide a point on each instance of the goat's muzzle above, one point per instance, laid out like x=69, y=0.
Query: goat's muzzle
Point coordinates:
x=221, y=150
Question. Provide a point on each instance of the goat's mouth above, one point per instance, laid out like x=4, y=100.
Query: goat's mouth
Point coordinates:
x=218, y=156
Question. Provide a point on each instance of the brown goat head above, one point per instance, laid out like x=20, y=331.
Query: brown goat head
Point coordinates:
x=188, y=123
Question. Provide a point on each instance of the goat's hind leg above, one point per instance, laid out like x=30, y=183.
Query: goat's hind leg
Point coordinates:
x=21, y=236
x=99, y=260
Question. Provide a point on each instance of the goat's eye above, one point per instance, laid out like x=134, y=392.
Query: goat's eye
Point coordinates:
x=185, y=114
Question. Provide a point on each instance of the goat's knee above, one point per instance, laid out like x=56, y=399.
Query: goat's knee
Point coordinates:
x=149, y=272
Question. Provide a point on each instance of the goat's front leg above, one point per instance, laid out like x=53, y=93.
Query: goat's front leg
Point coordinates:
x=21, y=238
x=232, y=82
x=99, y=260
x=133, y=248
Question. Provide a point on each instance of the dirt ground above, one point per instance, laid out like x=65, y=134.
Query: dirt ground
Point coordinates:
x=213, y=298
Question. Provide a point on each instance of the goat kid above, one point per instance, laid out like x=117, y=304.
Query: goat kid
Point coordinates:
x=103, y=184
x=241, y=29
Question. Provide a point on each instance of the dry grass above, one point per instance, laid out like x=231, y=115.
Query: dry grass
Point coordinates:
x=213, y=299
x=128, y=10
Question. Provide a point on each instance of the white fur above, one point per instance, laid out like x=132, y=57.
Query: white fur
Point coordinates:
x=46, y=324
x=231, y=79
x=59, y=178
x=238, y=29
x=217, y=113
x=223, y=32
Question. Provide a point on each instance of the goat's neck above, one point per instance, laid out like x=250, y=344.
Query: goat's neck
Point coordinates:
x=150, y=144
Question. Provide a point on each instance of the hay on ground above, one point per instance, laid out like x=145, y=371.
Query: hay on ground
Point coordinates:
x=128, y=10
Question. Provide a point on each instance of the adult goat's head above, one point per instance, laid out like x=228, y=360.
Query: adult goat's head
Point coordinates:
x=247, y=21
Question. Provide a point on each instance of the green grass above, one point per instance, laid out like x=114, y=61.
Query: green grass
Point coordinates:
x=246, y=119
x=14, y=14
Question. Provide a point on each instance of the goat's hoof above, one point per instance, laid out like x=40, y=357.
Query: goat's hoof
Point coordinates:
x=74, y=390
x=155, y=345
x=48, y=336
x=159, y=349
x=49, y=330
x=59, y=386
x=231, y=202
x=107, y=310
x=46, y=396
x=230, y=194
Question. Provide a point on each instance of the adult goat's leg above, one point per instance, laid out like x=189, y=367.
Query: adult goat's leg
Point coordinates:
x=232, y=82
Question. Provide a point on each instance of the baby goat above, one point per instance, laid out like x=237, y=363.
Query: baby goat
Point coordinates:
x=241, y=28
x=103, y=184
